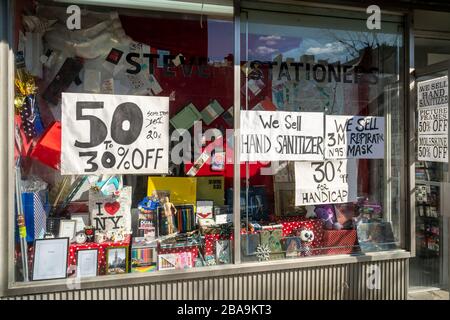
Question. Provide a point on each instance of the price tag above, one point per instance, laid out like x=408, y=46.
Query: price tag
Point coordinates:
x=114, y=134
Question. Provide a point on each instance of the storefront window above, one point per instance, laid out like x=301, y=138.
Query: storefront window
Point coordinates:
x=121, y=150
x=321, y=134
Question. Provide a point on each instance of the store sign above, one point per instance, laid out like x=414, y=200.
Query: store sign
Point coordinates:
x=432, y=103
x=287, y=136
x=332, y=181
x=354, y=137
x=114, y=134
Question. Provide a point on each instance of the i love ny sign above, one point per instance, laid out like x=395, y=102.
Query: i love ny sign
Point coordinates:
x=110, y=212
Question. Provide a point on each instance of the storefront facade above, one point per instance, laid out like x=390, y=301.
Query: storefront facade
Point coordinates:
x=219, y=150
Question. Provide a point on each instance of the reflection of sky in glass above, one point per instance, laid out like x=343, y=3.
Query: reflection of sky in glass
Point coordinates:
x=267, y=41
x=220, y=39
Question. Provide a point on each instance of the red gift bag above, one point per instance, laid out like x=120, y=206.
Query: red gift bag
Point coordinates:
x=48, y=148
x=339, y=241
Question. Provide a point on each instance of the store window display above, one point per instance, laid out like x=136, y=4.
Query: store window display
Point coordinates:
x=116, y=128
x=321, y=143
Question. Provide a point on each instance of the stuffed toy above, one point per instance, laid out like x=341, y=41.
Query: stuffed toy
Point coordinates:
x=326, y=214
x=306, y=235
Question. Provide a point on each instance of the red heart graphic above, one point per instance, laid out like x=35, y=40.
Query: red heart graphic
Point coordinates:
x=112, y=207
x=203, y=215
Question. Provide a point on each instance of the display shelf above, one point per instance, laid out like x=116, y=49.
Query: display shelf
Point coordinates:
x=427, y=182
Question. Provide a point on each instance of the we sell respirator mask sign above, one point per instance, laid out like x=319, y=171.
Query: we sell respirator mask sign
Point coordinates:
x=114, y=134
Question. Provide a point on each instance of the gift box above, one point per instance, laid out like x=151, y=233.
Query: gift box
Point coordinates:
x=339, y=241
x=249, y=243
x=272, y=238
x=35, y=210
x=209, y=248
x=211, y=188
x=101, y=247
x=182, y=190
x=291, y=224
x=48, y=148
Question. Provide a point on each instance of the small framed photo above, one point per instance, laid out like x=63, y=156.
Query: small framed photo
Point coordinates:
x=116, y=260
x=67, y=229
x=50, y=259
x=87, y=263
x=293, y=247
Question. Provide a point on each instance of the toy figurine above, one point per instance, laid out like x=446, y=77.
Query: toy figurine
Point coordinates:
x=307, y=237
x=169, y=211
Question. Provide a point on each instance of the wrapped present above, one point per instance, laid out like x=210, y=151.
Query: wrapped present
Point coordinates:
x=101, y=247
x=272, y=239
x=210, y=240
x=209, y=248
x=292, y=224
x=339, y=241
x=249, y=243
x=48, y=148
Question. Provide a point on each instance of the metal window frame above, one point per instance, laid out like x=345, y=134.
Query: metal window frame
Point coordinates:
x=8, y=287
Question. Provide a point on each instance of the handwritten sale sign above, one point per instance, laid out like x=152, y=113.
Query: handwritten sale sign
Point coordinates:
x=322, y=182
x=113, y=134
x=281, y=135
x=354, y=137
x=432, y=103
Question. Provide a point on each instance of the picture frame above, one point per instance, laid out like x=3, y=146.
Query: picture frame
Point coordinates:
x=50, y=259
x=117, y=260
x=293, y=247
x=67, y=229
x=87, y=263
x=81, y=219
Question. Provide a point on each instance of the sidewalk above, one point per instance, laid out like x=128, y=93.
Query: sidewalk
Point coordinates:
x=429, y=295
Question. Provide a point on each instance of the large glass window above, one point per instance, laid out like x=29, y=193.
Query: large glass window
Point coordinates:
x=116, y=115
x=322, y=133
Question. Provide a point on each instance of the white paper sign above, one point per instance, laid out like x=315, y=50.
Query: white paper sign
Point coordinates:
x=114, y=134
x=432, y=102
x=278, y=135
x=354, y=137
x=332, y=181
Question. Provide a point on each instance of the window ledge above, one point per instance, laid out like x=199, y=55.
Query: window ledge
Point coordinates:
x=34, y=287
